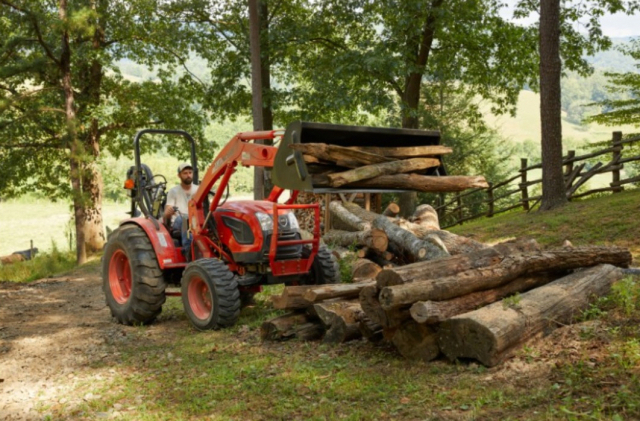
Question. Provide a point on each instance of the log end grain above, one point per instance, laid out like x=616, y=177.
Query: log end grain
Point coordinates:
x=416, y=342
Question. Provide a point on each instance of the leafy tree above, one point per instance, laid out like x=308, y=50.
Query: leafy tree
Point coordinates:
x=561, y=41
x=64, y=100
x=622, y=111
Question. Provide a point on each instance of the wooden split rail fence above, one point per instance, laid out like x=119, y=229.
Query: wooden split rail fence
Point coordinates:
x=506, y=195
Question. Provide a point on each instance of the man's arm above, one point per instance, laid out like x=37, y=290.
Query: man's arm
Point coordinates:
x=169, y=208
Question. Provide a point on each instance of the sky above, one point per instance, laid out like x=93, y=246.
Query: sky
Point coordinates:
x=614, y=26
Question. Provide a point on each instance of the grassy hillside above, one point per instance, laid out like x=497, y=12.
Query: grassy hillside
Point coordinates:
x=604, y=220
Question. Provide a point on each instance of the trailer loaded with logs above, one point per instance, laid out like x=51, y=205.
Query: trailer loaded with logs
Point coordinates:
x=433, y=293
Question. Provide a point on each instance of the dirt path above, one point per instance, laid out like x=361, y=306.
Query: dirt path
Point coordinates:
x=51, y=331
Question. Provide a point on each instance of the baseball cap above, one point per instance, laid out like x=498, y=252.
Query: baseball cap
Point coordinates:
x=184, y=166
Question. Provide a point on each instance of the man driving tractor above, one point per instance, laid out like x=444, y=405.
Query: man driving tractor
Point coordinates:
x=177, y=203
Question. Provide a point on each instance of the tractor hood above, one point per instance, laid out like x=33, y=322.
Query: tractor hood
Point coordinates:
x=249, y=207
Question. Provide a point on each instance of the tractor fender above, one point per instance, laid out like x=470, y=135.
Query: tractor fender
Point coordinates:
x=169, y=256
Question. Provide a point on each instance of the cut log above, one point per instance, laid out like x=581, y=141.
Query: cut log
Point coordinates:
x=392, y=210
x=518, y=245
x=292, y=298
x=325, y=292
x=11, y=258
x=427, y=217
x=416, y=342
x=334, y=153
x=374, y=239
x=439, y=268
x=341, y=319
x=414, y=247
x=384, y=260
x=374, y=311
x=344, y=219
x=344, y=254
x=364, y=269
x=455, y=244
x=384, y=168
x=424, y=183
x=510, y=268
x=405, y=152
x=431, y=312
x=492, y=333
x=291, y=325
x=369, y=329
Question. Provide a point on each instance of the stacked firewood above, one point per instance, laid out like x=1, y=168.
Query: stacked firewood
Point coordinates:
x=381, y=168
x=460, y=298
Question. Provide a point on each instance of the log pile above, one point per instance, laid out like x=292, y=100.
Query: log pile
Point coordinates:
x=404, y=168
x=460, y=299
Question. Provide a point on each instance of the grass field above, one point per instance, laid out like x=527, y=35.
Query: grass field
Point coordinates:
x=587, y=371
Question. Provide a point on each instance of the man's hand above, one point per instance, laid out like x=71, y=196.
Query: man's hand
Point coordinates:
x=169, y=211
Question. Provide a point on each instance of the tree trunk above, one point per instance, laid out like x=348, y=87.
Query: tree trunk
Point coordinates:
x=492, y=333
x=426, y=216
x=440, y=268
x=292, y=298
x=75, y=148
x=364, y=269
x=510, y=268
x=431, y=312
x=455, y=244
x=325, y=292
x=378, y=315
x=385, y=168
x=92, y=188
x=553, y=190
x=370, y=330
x=339, y=154
x=256, y=88
x=416, y=248
x=405, y=152
x=341, y=320
x=416, y=342
x=392, y=210
x=291, y=325
x=343, y=218
x=423, y=183
x=374, y=239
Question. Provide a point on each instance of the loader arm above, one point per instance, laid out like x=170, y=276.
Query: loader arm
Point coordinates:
x=239, y=150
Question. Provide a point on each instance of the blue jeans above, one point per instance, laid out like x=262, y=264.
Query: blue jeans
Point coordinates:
x=186, y=239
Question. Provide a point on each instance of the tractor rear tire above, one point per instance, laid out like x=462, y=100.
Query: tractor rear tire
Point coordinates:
x=324, y=269
x=131, y=277
x=210, y=294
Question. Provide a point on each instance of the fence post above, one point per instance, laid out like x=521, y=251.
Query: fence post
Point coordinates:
x=459, y=203
x=617, y=154
x=439, y=202
x=523, y=184
x=490, y=199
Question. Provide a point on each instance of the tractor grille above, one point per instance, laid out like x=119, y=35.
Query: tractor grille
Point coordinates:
x=285, y=252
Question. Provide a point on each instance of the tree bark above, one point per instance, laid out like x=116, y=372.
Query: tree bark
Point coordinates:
x=423, y=183
x=343, y=218
x=455, y=244
x=385, y=168
x=440, y=268
x=256, y=88
x=405, y=152
x=378, y=315
x=510, y=268
x=341, y=320
x=92, y=189
x=416, y=342
x=75, y=147
x=426, y=216
x=292, y=297
x=553, y=189
x=374, y=239
x=370, y=330
x=492, y=333
x=291, y=325
x=431, y=312
x=339, y=154
x=416, y=248
x=326, y=292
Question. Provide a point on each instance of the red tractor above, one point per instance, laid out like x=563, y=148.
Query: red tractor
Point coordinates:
x=237, y=246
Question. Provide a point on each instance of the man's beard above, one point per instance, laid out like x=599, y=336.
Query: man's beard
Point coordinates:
x=187, y=181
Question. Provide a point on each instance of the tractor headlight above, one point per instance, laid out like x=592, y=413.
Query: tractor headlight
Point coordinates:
x=288, y=221
x=266, y=223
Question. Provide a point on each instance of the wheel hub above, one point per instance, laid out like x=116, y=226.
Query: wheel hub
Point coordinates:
x=120, y=277
x=200, y=298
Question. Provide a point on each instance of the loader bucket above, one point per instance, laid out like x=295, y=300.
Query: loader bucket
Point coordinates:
x=290, y=170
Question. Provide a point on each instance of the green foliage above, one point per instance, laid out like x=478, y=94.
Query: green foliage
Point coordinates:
x=625, y=295
x=511, y=301
x=41, y=266
x=625, y=110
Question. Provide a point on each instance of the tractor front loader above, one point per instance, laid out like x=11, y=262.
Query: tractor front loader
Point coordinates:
x=237, y=246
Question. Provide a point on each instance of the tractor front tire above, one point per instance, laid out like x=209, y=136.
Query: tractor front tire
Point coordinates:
x=324, y=269
x=131, y=277
x=210, y=294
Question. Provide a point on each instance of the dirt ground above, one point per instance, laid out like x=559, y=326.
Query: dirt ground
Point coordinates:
x=51, y=331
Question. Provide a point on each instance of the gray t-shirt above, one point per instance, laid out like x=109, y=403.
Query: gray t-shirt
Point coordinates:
x=180, y=197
